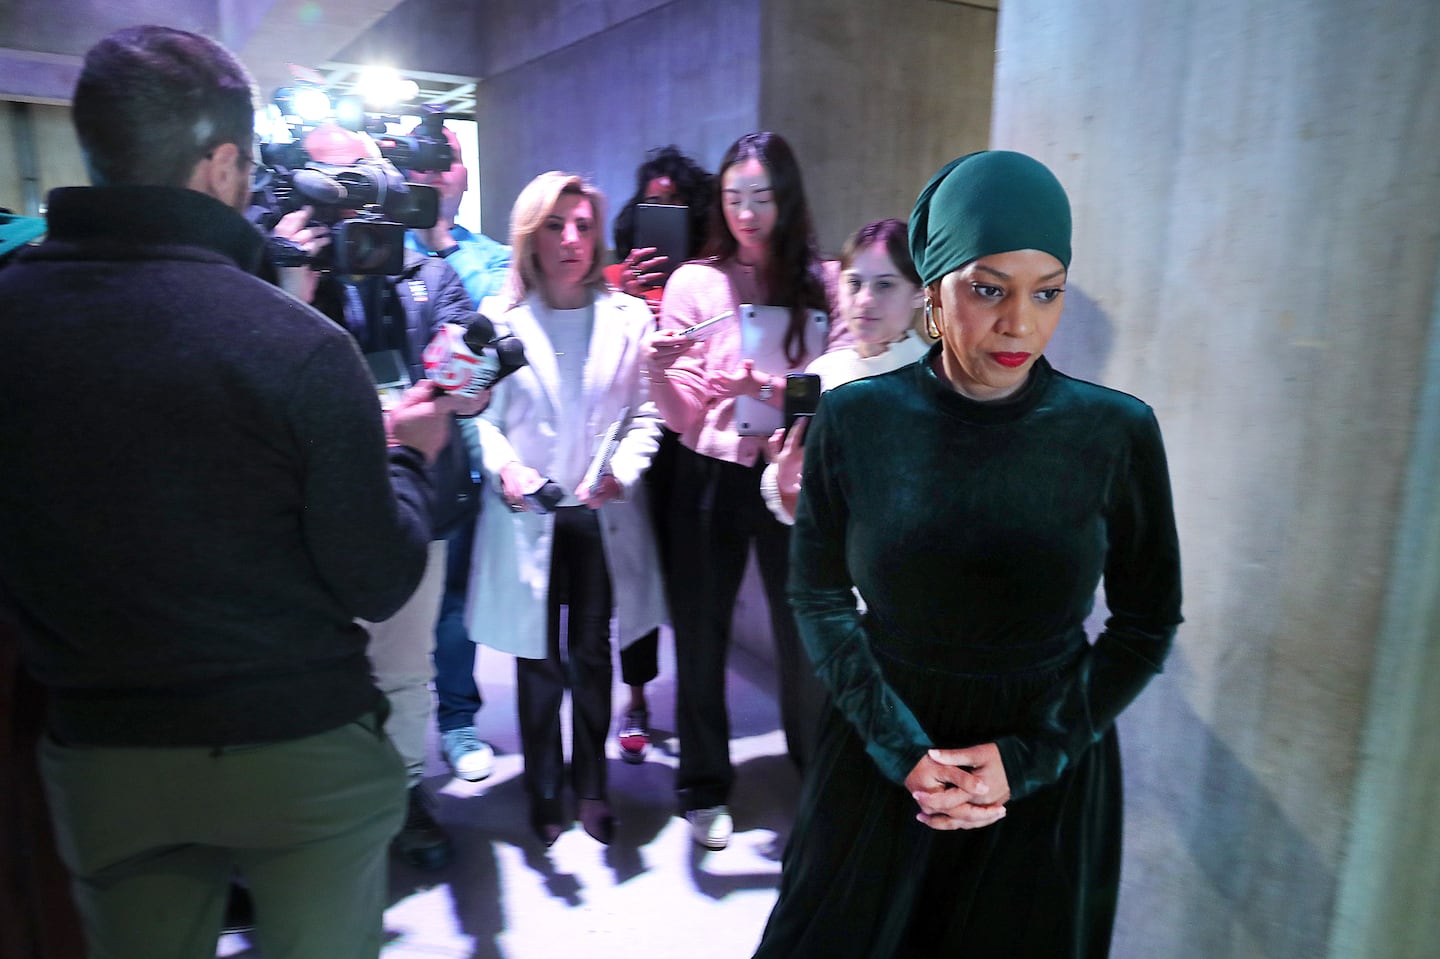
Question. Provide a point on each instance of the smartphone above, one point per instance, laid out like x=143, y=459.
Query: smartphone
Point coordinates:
x=707, y=328
x=802, y=396
x=667, y=229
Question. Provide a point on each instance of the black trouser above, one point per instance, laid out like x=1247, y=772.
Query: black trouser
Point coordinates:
x=716, y=513
x=640, y=661
x=578, y=575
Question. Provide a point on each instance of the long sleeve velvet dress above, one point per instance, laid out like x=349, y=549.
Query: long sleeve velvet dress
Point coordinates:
x=977, y=534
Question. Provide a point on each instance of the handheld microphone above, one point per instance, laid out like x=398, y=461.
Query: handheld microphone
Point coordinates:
x=467, y=359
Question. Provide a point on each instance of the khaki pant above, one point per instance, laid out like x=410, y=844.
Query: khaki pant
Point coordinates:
x=400, y=652
x=153, y=836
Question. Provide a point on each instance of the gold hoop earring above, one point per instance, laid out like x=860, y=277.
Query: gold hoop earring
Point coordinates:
x=931, y=327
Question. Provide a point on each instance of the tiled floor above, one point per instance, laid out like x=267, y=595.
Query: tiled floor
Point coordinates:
x=651, y=893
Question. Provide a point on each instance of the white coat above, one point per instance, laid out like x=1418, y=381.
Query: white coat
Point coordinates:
x=509, y=585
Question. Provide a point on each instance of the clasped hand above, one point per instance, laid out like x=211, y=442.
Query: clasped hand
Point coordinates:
x=960, y=788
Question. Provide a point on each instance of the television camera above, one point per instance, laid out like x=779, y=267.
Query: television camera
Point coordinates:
x=368, y=205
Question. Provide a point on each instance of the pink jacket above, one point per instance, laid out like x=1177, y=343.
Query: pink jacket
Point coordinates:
x=697, y=291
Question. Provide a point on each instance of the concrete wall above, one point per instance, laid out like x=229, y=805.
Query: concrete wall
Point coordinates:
x=607, y=82
x=41, y=48
x=1256, y=256
x=42, y=41
x=56, y=154
x=874, y=97
x=596, y=103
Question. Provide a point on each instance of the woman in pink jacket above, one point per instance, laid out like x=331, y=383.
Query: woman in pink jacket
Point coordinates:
x=761, y=251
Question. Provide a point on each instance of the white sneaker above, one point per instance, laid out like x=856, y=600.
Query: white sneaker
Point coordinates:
x=711, y=827
x=470, y=757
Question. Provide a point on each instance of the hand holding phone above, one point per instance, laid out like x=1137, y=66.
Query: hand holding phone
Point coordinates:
x=641, y=269
x=661, y=348
x=786, y=450
x=802, y=396
x=665, y=228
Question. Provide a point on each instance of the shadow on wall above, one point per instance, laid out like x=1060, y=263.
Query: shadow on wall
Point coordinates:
x=1082, y=342
x=1263, y=888
x=1200, y=825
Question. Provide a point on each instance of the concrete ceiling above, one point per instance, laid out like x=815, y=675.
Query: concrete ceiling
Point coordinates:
x=42, y=41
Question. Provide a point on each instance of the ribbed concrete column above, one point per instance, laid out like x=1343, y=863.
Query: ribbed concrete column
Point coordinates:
x=1256, y=256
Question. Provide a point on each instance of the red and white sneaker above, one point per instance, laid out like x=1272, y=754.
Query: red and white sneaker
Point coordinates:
x=634, y=735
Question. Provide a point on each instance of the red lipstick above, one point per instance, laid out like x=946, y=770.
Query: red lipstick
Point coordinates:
x=1010, y=359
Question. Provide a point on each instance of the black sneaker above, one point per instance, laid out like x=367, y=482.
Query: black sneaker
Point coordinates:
x=421, y=842
x=239, y=909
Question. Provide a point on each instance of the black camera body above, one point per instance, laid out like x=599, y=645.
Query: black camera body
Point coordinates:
x=424, y=149
x=368, y=205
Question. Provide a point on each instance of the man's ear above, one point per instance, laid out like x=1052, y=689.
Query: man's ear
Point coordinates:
x=216, y=174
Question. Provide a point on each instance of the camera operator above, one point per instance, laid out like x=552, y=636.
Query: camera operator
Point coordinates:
x=395, y=316
x=483, y=265
x=196, y=502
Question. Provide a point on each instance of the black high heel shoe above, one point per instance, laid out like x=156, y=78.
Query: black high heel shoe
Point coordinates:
x=598, y=820
x=545, y=821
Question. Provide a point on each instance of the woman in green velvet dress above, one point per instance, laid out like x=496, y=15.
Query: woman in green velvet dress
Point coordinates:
x=966, y=797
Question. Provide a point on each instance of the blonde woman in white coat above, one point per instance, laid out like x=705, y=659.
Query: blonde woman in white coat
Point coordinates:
x=594, y=551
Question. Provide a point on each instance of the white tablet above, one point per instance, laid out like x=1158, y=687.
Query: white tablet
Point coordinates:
x=762, y=339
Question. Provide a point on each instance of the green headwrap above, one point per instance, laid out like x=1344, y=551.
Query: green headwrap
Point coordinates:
x=994, y=201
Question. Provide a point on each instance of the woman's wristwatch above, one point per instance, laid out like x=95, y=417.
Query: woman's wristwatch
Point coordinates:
x=766, y=391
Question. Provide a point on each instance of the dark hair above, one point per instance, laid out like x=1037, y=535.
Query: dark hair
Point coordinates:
x=692, y=181
x=151, y=101
x=893, y=235
x=793, y=272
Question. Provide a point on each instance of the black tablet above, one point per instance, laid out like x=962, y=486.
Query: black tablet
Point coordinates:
x=667, y=229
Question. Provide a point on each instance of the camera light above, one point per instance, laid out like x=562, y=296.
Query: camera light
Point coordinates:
x=270, y=126
x=311, y=104
x=382, y=86
x=350, y=112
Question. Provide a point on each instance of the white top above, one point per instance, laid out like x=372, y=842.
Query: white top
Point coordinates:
x=569, y=332
x=842, y=366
